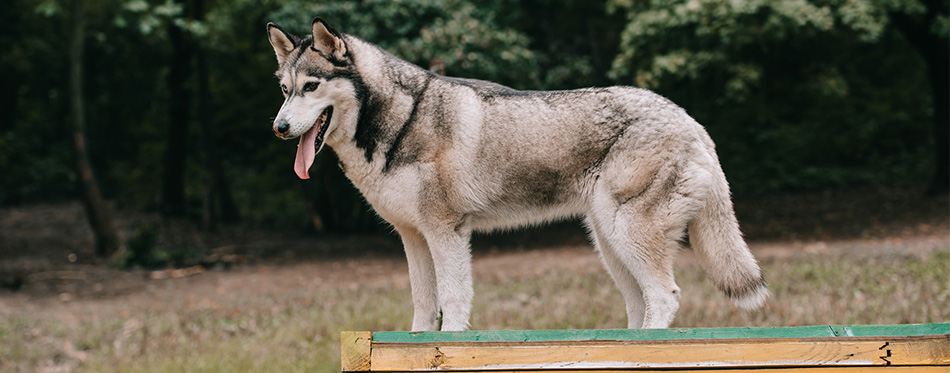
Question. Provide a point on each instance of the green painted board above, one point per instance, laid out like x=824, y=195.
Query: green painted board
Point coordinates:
x=660, y=334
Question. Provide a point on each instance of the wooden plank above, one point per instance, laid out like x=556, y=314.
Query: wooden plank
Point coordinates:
x=812, y=347
x=406, y=357
x=819, y=369
x=663, y=334
x=919, y=351
x=355, y=350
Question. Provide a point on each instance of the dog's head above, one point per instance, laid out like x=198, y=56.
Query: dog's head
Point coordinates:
x=315, y=76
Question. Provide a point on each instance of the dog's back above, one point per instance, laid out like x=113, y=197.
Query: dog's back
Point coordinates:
x=525, y=157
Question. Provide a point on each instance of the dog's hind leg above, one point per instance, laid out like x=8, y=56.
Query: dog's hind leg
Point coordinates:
x=422, y=280
x=638, y=244
x=452, y=260
x=629, y=288
x=635, y=230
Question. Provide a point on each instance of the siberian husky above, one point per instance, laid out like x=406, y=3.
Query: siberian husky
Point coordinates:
x=440, y=157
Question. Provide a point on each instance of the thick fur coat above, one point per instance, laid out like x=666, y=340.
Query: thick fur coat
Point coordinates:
x=439, y=158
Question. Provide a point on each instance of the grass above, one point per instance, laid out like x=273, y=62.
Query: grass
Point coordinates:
x=299, y=330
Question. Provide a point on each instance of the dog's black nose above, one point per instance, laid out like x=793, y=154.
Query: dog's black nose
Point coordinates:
x=282, y=127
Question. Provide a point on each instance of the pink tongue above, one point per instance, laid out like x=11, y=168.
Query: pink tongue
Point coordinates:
x=306, y=153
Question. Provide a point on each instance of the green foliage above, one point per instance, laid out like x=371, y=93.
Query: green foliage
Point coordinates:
x=797, y=94
x=466, y=37
x=144, y=250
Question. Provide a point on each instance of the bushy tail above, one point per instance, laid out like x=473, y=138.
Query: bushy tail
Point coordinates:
x=715, y=238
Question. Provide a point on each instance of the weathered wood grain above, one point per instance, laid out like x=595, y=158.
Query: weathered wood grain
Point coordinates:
x=833, y=369
x=498, y=357
x=355, y=351
x=920, y=351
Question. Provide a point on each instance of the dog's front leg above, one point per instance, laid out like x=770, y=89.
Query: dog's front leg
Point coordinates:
x=453, y=270
x=422, y=280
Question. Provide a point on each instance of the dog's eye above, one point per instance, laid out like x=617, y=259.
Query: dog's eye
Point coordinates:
x=310, y=87
x=283, y=88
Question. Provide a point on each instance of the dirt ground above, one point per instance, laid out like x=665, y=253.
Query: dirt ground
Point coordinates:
x=47, y=265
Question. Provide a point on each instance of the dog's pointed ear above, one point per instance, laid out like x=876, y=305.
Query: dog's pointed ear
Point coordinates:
x=328, y=40
x=282, y=42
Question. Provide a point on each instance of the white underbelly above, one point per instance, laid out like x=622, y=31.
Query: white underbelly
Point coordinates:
x=511, y=217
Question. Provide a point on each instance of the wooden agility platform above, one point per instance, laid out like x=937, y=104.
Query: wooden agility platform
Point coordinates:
x=916, y=348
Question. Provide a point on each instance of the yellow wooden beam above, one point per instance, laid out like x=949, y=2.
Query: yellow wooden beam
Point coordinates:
x=355, y=351
x=409, y=358
x=920, y=351
x=816, y=369
x=747, y=353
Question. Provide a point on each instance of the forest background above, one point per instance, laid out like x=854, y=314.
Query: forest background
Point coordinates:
x=170, y=101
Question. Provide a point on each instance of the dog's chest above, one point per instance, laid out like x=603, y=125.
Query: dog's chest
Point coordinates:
x=393, y=194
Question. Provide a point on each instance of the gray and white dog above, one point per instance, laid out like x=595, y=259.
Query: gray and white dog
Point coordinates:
x=440, y=157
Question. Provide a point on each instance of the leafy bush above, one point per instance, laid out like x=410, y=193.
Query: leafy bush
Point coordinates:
x=144, y=250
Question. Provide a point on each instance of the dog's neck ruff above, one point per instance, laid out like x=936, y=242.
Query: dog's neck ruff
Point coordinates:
x=363, y=140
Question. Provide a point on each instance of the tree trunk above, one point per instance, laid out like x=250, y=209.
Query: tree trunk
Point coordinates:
x=936, y=53
x=179, y=110
x=218, y=200
x=106, y=237
x=940, y=76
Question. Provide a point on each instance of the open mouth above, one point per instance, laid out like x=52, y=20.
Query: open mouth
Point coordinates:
x=324, y=122
x=311, y=142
